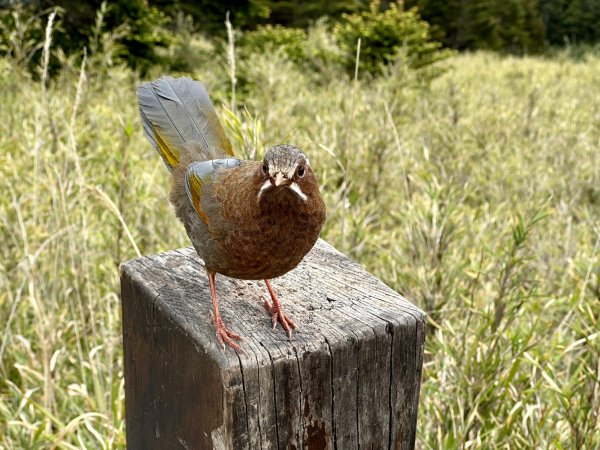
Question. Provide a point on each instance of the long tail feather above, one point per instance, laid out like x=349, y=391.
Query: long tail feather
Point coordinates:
x=176, y=112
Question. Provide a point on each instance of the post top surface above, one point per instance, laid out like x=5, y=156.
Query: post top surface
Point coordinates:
x=331, y=298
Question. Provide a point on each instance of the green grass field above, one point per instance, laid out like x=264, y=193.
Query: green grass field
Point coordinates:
x=477, y=197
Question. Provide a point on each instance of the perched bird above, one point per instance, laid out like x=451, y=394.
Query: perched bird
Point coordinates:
x=251, y=220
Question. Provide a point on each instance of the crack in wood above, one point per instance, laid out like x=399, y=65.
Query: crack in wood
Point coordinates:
x=274, y=395
x=245, y=397
x=333, y=426
x=300, y=400
x=391, y=406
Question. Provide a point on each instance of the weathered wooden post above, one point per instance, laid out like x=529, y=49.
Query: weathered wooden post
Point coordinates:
x=349, y=378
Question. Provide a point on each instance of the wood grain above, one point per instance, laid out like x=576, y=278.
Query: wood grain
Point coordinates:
x=349, y=379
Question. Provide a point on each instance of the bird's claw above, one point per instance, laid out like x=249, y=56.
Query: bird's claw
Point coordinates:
x=277, y=315
x=225, y=336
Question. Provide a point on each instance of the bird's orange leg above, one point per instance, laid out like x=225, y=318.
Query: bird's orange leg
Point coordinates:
x=224, y=336
x=277, y=313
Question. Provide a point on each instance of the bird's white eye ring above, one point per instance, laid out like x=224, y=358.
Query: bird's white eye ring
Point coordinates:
x=301, y=171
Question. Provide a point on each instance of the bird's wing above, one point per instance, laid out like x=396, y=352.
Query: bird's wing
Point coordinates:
x=199, y=175
x=176, y=112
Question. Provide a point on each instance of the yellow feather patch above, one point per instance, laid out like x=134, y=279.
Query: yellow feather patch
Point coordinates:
x=214, y=125
x=227, y=146
x=225, y=143
x=195, y=186
x=170, y=156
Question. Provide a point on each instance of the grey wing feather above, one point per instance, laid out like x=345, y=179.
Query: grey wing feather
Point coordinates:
x=205, y=170
x=181, y=112
x=197, y=102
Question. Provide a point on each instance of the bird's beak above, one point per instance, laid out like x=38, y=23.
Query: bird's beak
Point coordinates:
x=280, y=180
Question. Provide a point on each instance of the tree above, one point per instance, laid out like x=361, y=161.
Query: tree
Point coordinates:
x=507, y=25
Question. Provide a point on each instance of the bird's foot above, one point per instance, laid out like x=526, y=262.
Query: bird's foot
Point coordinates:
x=277, y=315
x=225, y=336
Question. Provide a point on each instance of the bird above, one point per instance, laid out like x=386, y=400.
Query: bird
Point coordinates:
x=246, y=219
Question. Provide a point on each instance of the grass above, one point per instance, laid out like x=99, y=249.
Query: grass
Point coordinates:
x=477, y=197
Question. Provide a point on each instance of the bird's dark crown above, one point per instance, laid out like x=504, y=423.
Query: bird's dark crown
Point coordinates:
x=284, y=157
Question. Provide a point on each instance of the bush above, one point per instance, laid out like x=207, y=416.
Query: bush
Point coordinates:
x=269, y=38
x=314, y=50
x=190, y=50
x=22, y=34
x=137, y=31
x=322, y=52
x=384, y=36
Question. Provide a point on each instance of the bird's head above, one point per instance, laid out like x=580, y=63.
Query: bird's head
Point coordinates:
x=286, y=167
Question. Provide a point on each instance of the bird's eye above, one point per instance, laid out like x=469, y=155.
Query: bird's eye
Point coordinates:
x=265, y=169
x=301, y=171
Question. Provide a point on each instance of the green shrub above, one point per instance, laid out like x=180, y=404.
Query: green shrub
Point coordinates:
x=384, y=37
x=22, y=34
x=189, y=50
x=135, y=31
x=322, y=51
x=270, y=38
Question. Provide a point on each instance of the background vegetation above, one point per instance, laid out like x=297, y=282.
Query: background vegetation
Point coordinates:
x=144, y=29
x=471, y=184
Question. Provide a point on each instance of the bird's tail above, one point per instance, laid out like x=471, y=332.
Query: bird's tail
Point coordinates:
x=178, y=115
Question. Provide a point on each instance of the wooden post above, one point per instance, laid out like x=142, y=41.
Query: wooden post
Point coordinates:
x=350, y=378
